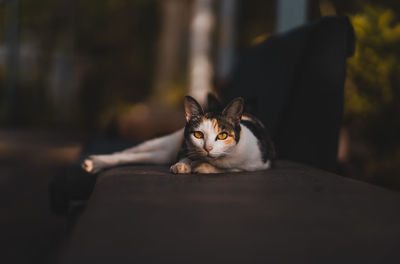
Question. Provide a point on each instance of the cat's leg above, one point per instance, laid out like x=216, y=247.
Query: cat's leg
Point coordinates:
x=161, y=150
x=96, y=163
x=182, y=166
x=205, y=167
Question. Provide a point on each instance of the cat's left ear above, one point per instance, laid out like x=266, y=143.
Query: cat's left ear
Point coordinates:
x=234, y=109
x=192, y=108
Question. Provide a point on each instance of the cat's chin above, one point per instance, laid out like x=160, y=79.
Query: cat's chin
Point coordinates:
x=214, y=156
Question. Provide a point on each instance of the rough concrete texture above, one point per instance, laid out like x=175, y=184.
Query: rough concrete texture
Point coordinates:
x=290, y=214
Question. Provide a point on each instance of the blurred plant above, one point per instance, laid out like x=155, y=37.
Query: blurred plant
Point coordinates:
x=372, y=95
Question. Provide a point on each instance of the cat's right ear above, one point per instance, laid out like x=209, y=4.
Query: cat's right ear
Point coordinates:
x=192, y=108
x=234, y=110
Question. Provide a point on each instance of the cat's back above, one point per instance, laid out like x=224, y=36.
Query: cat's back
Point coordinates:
x=261, y=133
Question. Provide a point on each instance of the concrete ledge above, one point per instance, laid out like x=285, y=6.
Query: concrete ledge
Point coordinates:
x=290, y=214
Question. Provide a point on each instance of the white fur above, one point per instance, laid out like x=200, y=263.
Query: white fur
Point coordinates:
x=219, y=148
x=182, y=166
x=245, y=156
x=161, y=150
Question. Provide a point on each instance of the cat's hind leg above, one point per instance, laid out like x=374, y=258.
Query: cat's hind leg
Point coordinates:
x=163, y=150
x=96, y=163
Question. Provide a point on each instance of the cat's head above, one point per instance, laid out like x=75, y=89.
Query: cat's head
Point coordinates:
x=212, y=134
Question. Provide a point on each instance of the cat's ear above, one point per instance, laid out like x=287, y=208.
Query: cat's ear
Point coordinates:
x=192, y=108
x=234, y=109
x=213, y=104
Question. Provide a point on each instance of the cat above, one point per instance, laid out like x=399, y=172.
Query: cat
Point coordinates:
x=214, y=140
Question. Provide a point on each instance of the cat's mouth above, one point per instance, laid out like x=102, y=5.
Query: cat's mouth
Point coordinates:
x=206, y=155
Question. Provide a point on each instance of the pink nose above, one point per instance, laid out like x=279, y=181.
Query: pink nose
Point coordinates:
x=209, y=148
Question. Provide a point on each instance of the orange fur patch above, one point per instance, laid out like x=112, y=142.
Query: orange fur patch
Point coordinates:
x=215, y=125
x=230, y=140
x=245, y=117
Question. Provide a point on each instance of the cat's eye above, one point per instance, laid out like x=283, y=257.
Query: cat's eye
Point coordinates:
x=222, y=136
x=198, y=134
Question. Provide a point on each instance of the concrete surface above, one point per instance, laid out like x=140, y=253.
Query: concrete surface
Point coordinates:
x=290, y=214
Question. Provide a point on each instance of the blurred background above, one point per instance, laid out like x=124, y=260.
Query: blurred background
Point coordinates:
x=72, y=71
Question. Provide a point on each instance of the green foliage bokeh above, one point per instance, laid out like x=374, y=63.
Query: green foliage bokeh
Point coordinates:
x=372, y=95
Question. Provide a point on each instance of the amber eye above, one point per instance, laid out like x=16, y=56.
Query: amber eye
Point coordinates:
x=198, y=134
x=222, y=136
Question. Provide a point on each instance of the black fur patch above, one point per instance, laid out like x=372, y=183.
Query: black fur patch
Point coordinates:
x=261, y=133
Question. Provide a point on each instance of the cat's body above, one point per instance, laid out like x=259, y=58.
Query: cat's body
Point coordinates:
x=212, y=141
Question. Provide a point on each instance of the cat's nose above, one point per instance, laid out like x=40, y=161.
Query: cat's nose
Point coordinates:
x=208, y=148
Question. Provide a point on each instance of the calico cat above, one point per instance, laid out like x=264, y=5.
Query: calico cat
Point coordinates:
x=214, y=140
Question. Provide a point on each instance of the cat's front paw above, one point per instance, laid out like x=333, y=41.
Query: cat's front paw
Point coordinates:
x=93, y=165
x=181, y=167
x=206, y=168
